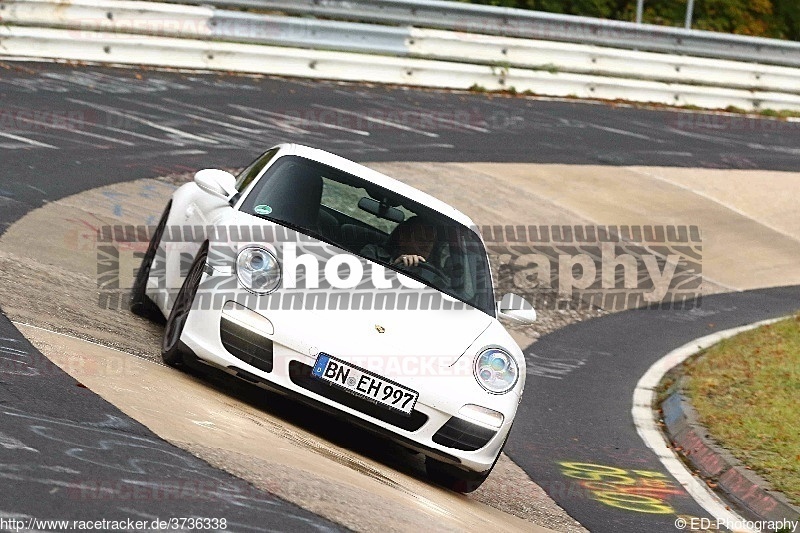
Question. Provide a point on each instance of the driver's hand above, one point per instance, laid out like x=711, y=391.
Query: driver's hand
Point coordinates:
x=409, y=260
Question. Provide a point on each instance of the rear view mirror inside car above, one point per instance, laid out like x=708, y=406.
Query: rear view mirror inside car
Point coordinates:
x=382, y=210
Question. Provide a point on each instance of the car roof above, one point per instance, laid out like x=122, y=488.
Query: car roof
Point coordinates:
x=377, y=178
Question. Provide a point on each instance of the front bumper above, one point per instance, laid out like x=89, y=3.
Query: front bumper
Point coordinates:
x=251, y=353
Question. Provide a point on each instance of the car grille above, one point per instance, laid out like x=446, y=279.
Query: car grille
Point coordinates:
x=300, y=375
x=462, y=435
x=246, y=345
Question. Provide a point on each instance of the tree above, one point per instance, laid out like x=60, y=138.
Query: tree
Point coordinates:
x=768, y=18
x=786, y=19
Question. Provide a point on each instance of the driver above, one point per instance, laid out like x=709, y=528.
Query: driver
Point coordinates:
x=409, y=244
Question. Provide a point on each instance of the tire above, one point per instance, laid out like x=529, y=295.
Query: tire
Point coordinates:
x=456, y=479
x=172, y=349
x=140, y=303
x=453, y=478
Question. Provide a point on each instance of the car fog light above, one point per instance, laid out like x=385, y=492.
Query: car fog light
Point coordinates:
x=483, y=415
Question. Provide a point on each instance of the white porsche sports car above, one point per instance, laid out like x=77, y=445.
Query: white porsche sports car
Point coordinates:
x=318, y=278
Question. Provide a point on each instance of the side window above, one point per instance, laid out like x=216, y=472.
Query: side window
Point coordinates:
x=247, y=175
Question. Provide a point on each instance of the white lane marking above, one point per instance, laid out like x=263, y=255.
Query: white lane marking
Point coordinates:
x=431, y=145
x=195, y=117
x=620, y=132
x=28, y=141
x=459, y=124
x=675, y=154
x=136, y=134
x=212, y=112
x=174, y=131
x=37, y=189
x=442, y=120
x=296, y=119
x=282, y=122
x=74, y=123
x=779, y=149
x=13, y=351
x=186, y=152
x=702, y=137
x=10, y=443
x=322, y=124
x=259, y=123
x=647, y=426
x=74, y=131
x=374, y=120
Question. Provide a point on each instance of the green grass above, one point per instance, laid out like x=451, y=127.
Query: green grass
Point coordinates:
x=783, y=113
x=747, y=393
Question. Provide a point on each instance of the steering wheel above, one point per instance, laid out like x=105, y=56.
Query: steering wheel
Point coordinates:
x=434, y=270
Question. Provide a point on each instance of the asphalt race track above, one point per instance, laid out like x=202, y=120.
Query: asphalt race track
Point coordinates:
x=66, y=129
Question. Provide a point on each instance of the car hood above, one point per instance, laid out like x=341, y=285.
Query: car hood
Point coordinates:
x=353, y=335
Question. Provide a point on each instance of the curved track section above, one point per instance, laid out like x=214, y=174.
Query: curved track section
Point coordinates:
x=583, y=449
x=65, y=130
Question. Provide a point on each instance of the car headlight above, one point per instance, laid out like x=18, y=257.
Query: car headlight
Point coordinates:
x=496, y=370
x=258, y=270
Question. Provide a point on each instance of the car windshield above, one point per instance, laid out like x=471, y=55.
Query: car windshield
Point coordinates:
x=375, y=223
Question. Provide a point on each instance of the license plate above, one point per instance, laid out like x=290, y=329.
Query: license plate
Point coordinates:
x=365, y=384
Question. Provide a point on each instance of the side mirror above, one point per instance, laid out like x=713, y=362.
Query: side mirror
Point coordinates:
x=216, y=182
x=515, y=308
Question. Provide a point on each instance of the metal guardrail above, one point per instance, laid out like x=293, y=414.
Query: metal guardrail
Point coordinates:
x=308, y=33
x=176, y=20
x=527, y=24
x=207, y=37
x=225, y=25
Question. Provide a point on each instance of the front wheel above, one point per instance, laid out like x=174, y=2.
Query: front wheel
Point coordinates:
x=454, y=478
x=171, y=346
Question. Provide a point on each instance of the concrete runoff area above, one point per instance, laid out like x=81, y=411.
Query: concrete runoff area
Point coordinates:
x=355, y=491
x=747, y=218
x=747, y=244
